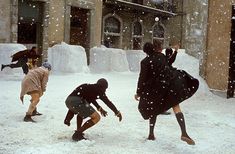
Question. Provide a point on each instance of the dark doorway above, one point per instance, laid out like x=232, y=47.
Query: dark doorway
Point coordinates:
x=79, y=31
x=30, y=14
x=231, y=78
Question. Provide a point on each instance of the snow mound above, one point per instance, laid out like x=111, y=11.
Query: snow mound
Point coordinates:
x=108, y=59
x=66, y=58
x=134, y=58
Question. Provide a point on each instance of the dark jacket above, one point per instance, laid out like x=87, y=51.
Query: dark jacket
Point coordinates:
x=92, y=92
x=161, y=86
x=25, y=54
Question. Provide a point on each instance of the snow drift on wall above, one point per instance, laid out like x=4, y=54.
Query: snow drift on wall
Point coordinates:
x=108, y=59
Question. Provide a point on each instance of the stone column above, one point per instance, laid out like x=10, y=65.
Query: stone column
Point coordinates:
x=45, y=41
x=14, y=20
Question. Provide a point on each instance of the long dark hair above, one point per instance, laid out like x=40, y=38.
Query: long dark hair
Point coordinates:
x=168, y=52
x=148, y=48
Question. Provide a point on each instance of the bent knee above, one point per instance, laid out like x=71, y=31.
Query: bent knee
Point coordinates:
x=95, y=117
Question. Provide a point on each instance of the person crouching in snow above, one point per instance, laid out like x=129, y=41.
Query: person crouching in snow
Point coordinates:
x=78, y=102
x=34, y=84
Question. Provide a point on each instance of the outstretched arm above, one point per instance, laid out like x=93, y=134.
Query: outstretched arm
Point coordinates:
x=105, y=99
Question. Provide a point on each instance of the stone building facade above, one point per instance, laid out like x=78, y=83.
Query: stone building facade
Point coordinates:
x=43, y=23
x=129, y=24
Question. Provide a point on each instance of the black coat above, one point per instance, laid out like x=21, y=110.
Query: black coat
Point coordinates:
x=161, y=86
x=25, y=54
x=92, y=92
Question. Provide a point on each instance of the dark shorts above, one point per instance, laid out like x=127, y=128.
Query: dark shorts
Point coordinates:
x=79, y=106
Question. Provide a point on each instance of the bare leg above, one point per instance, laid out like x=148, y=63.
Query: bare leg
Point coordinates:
x=68, y=117
x=35, y=98
x=95, y=117
x=79, y=122
x=152, y=122
x=78, y=135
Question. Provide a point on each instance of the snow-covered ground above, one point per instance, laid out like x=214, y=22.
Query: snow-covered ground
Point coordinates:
x=210, y=119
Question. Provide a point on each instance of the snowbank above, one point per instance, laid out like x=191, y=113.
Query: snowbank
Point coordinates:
x=134, y=58
x=6, y=50
x=108, y=59
x=67, y=58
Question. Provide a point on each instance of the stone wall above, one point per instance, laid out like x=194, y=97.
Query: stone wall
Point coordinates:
x=5, y=21
x=216, y=58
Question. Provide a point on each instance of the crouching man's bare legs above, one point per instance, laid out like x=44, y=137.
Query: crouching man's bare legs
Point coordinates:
x=180, y=118
x=94, y=118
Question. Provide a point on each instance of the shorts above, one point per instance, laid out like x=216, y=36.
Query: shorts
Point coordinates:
x=79, y=106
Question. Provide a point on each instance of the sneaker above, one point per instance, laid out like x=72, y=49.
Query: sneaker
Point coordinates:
x=77, y=136
x=28, y=118
x=66, y=122
x=151, y=137
x=188, y=140
x=2, y=67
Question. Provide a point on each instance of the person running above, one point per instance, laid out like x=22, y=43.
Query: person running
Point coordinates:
x=22, y=58
x=161, y=87
x=78, y=102
x=34, y=84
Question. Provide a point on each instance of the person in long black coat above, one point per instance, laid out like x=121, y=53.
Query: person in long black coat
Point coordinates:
x=78, y=102
x=161, y=87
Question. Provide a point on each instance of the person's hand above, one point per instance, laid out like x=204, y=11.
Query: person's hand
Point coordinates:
x=102, y=112
x=119, y=115
x=137, y=97
x=176, y=47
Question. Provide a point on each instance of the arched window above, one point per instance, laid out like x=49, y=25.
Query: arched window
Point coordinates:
x=112, y=31
x=112, y=25
x=137, y=28
x=137, y=35
x=158, y=33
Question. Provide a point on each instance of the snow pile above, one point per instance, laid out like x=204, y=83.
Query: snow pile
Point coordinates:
x=6, y=50
x=108, y=59
x=134, y=58
x=66, y=58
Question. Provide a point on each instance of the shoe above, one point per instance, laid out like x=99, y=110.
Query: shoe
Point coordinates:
x=188, y=140
x=151, y=137
x=36, y=113
x=77, y=136
x=2, y=67
x=66, y=122
x=166, y=113
x=28, y=118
